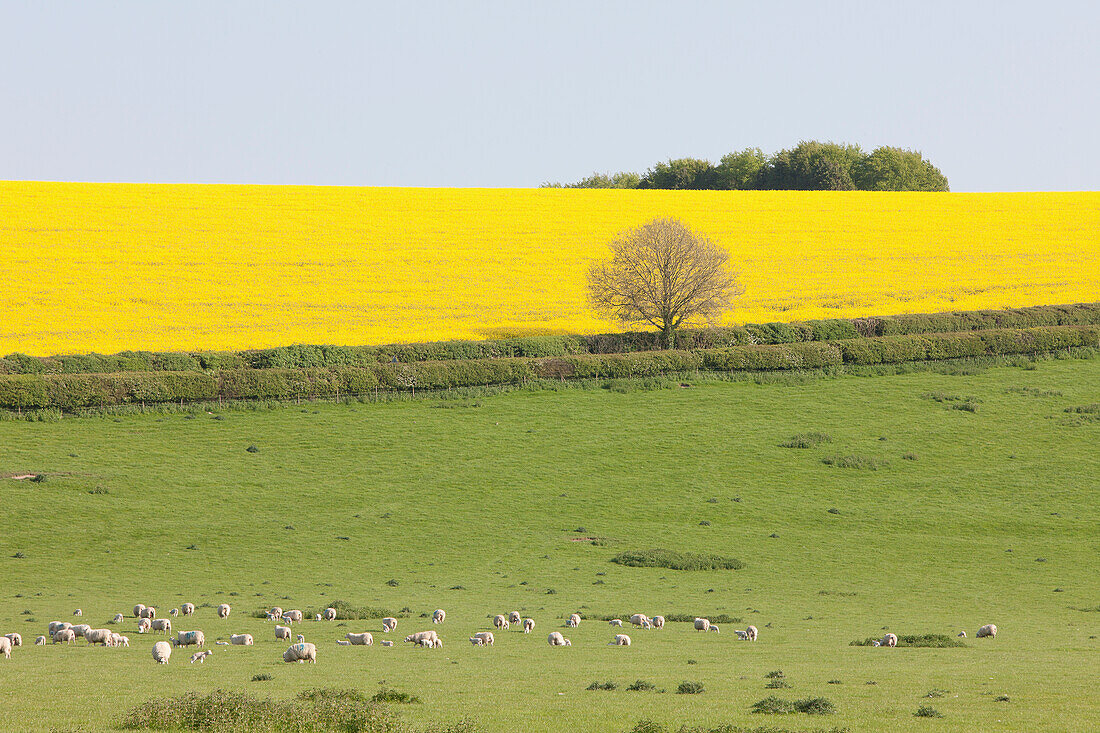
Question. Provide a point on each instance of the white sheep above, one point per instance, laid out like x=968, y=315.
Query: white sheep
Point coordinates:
x=162, y=651
x=223, y=610
x=39, y=641
x=615, y=622
x=282, y=632
x=389, y=624
x=638, y=619
x=477, y=642
x=329, y=614
x=343, y=642
x=752, y=632
x=317, y=617
x=485, y=637
x=301, y=652
x=890, y=640
x=200, y=657
x=989, y=630
x=702, y=624
x=120, y=640
x=149, y=612
x=15, y=639
x=81, y=629
x=58, y=625
x=5, y=647
x=63, y=636
x=143, y=625
x=138, y=609
x=500, y=622
x=574, y=620
x=556, y=639
x=528, y=625
x=190, y=638
x=387, y=643
x=162, y=624
x=363, y=639
x=715, y=629
x=174, y=612
x=514, y=618
x=419, y=636
x=78, y=612
x=275, y=611
x=187, y=609
x=620, y=640
x=241, y=639
x=301, y=639
x=962, y=634
x=658, y=622
x=439, y=616
x=292, y=616
x=117, y=619
x=98, y=636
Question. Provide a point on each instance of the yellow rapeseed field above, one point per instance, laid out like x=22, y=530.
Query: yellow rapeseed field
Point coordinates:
x=112, y=267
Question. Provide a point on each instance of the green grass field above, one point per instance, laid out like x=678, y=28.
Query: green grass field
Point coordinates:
x=475, y=506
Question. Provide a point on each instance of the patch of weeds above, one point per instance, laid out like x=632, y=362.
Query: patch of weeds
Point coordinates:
x=965, y=406
x=38, y=478
x=909, y=457
x=387, y=694
x=777, y=684
x=252, y=449
x=815, y=706
x=392, y=582
x=712, y=500
x=459, y=587
x=1034, y=391
x=661, y=558
x=833, y=510
x=1001, y=698
x=27, y=612
x=834, y=682
x=863, y=463
x=934, y=641
x=704, y=523
x=262, y=677
x=773, y=705
x=806, y=440
x=690, y=688
x=99, y=490
x=19, y=556
x=609, y=685
x=775, y=675
x=927, y=711
x=641, y=686
x=936, y=693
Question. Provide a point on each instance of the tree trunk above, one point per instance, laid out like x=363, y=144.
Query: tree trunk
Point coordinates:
x=670, y=335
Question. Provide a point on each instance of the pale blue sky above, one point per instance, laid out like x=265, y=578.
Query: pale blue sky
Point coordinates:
x=1003, y=96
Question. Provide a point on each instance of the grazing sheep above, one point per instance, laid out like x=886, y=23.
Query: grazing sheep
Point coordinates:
x=301, y=638
x=62, y=636
x=187, y=609
x=615, y=622
x=363, y=639
x=301, y=652
x=174, y=612
x=143, y=625
x=620, y=640
x=276, y=612
x=752, y=633
x=702, y=624
x=387, y=643
x=5, y=647
x=715, y=629
x=162, y=624
x=876, y=642
x=485, y=637
x=574, y=620
x=528, y=625
x=81, y=629
x=292, y=615
x=200, y=657
x=342, y=642
x=500, y=622
x=149, y=612
x=514, y=618
x=389, y=624
x=138, y=609
x=421, y=635
x=241, y=639
x=962, y=634
x=658, y=622
x=190, y=638
x=476, y=642
x=329, y=614
x=58, y=625
x=162, y=651
x=78, y=612
x=317, y=617
x=40, y=641
x=439, y=616
x=556, y=639
x=889, y=640
x=117, y=619
x=120, y=640
x=98, y=636
x=639, y=618
x=223, y=610
x=437, y=643
x=282, y=632
x=742, y=635
x=15, y=639
x=989, y=630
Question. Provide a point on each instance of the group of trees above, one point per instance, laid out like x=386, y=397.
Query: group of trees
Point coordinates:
x=809, y=166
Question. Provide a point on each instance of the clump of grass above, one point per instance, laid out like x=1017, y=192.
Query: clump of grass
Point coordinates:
x=392, y=582
x=965, y=406
x=673, y=560
x=833, y=510
x=99, y=490
x=773, y=705
x=806, y=440
x=252, y=449
x=704, y=523
x=1001, y=698
x=815, y=706
x=936, y=693
x=690, y=688
x=38, y=478
x=778, y=683
x=609, y=685
x=863, y=463
x=927, y=711
x=19, y=556
x=263, y=677
x=934, y=641
x=387, y=694
x=834, y=682
x=909, y=457
x=641, y=686
x=1091, y=409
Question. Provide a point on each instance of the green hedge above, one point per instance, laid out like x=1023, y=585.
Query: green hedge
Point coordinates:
x=535, y=347
x=72, y=391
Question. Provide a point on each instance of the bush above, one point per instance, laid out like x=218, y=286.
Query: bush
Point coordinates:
x=387, y=694
x=690, y=688
x=659, y=558
x=806, y=440
x=602, y=686
x=934, y=641
x=641, y=686
x=927, y=711
x=262, y=677
x=773, y=705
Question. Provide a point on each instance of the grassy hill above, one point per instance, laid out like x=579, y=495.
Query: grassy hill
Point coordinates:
x=929, y=519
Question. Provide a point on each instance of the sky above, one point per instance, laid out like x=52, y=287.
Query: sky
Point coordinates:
x=1001, y=96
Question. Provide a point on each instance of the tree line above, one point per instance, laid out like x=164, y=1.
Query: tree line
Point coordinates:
x=809, y=166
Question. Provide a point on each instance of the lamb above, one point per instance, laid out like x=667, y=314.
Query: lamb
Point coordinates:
x=989, y=630
x=615, y=622
x=387, y=643
x=343, y=642
x=389, y=624
x=317, y=617
x=439, y=616
x=514, y=617
x=889, y=640
x=420, y=635
x=301, y=638
x=63, y=636
x=556, y=639
x=98, y=636
x=301, y=652
x=241, y=639
x=292, y=616
x=282, y=632
x=15, y=639
x=962, y=634
x=162, y=624
x=476, y=642
x=500, y=622
x=190, y=638
x=223, y=610
x=574, y=621
x=117, y=619
x=484, y=637
x=187, y=609
x=162, y=651
x=276, y=612
x=138, y=609
x=715, y=629
x=78, y=612
x=149, y=612
x=329, y=614
x=742, y=635
x=5, y=647
x=40, y=641
x=200, y=657
x=620, y=640
x=81, y=629
x=363, y=639
x=702, y=624
x=120, y=640
x=174, y=612
x=752, y=633
x=658, y=622
x=528, y=625
x=143, y=625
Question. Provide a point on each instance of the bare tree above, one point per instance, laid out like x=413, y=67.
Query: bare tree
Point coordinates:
x=663, y=274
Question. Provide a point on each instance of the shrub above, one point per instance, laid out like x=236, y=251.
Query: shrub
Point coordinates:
x=261, y=677
x=927, y=711
x=773, y=705
x=815, y=706
x=387, y=694
x=38, y=478
x=806, y=440
x=673, y=560
x=689, y=688
x=602, y=686
x=641, y=686
x=935, y=641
